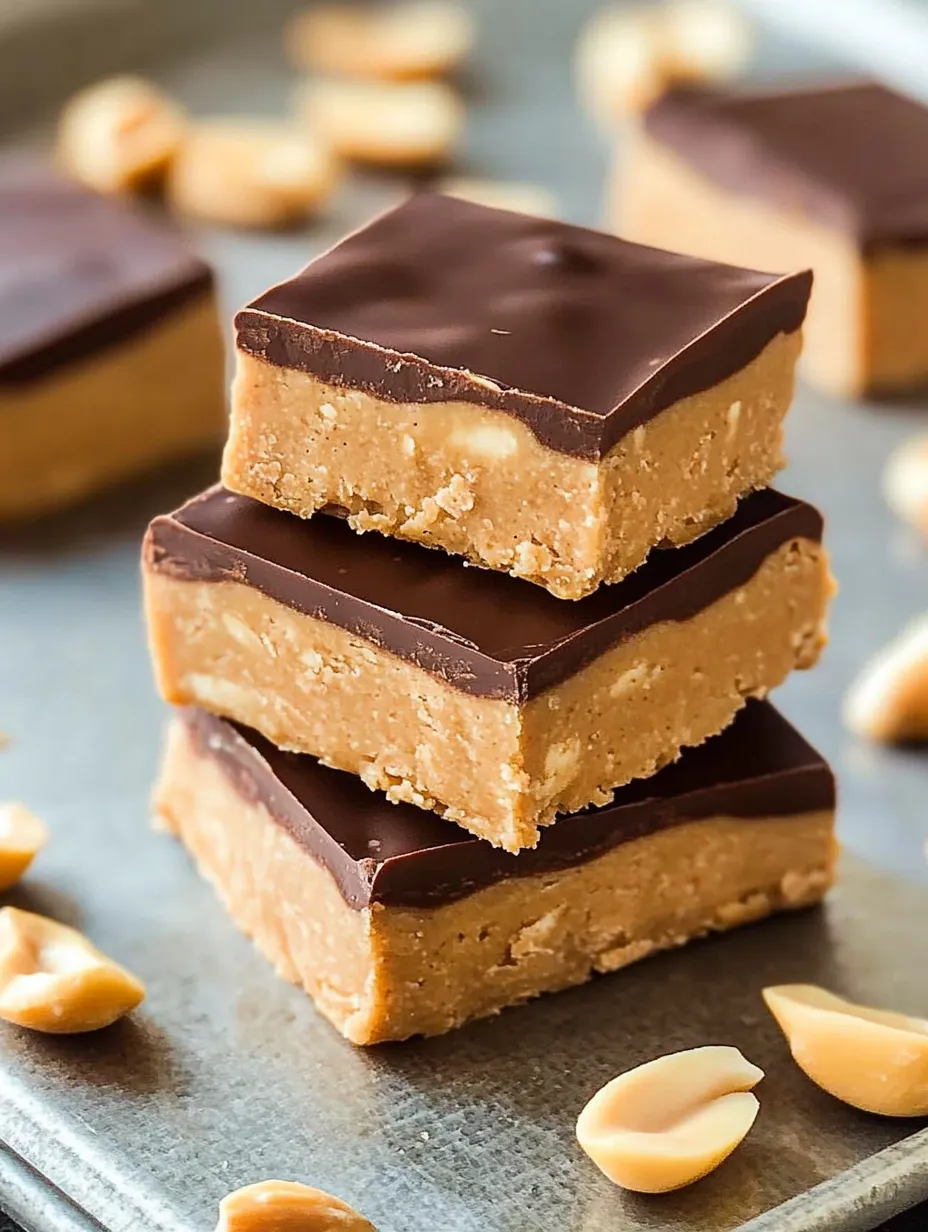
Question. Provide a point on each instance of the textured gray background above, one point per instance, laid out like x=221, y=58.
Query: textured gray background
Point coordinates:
x=228, y=1076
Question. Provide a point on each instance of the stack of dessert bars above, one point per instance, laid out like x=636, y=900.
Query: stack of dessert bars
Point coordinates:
x=511, y=734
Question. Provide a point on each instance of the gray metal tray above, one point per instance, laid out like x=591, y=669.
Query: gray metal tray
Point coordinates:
x=227, y=1076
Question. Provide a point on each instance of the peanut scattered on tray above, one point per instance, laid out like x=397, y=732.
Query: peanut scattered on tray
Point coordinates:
x=398, y=42
x=22, y=837
x=628, y=55
x=873, y=1059
x=286, y=1206
x=671, y=1121
x=53, y=979
x=889, y=699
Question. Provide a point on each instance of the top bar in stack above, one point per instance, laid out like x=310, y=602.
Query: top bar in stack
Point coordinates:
x=543, y=399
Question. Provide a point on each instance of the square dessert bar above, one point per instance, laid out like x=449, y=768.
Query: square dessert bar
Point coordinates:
x=835, y=178
x=111, y=356
x=397, y=924
x=545, y=400
x=464, y=691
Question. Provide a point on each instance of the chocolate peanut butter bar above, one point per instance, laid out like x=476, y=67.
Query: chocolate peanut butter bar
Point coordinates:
x=397, y=924
x=834, y=178
x=461, y=690
x=111, y=356
x=545, y=400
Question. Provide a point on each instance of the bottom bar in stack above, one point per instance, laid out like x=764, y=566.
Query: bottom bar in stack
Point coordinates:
x=398, y=923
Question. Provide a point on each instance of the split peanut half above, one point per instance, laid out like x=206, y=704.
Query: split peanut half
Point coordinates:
x=523, y=197
x=672, y=1121
x=905, y=483
x=872, y=1059
x=120, y=134
x=412, y=124
x=52, y=979
x=285, y=1206
x=627, y=56
x=889, y=699
x=251, y=173
x=399, y=42
x=22, y=837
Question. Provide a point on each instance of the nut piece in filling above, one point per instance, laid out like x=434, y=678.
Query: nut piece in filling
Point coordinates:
x=392, y=662
x=286, y=1206
x=120, y=134
x=873, y=1059
x=543, y=399
x=53, y=980
x=400, y=42
x=398, y=924
x=22, y=837
x=889, y=699
x=831, y=178
x=405, y=125
x=250, y=173
x=671, y=1121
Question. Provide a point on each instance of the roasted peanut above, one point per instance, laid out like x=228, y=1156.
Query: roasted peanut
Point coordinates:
x=120, y=134
x=22, y=837
x=52, y=979
x=628, y=56
x=872, y=1059
x=618, y=64
x=889, y=699
x=672, y=1121
x=503, y=195
x=398, y=42
x=905, y=483
x=704, y=40
x=285, y=1206
x=408, y=125
x=250, y=173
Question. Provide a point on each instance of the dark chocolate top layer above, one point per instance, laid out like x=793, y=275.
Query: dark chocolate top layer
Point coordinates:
x=399, y=855
x=852, y=156
x=580, y=335
x=484, y=632
x=80, y=272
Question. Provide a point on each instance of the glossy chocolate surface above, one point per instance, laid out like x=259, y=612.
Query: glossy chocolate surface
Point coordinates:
x=80, y=272
x=483, y=632
x=399, y=855
x=580, y=335
x=851, y=156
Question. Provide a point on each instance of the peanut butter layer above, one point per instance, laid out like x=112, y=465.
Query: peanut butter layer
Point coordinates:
x=832, y=178
x=111, y=356
x=481, y=698
x=397, y=926
x=543, y=399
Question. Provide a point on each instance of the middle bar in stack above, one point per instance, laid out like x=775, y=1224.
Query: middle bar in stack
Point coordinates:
x=476, y=695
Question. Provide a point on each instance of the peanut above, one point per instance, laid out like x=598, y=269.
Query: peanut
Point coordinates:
x=409, y=125
x=250, y=173
x=22, y=837
x=52, y=979
x=401, y=42
x=905, y=483
x=889, y=699
x=872, y=1059
x=285, y=1206
x=671, y=1121
x=119, y=135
